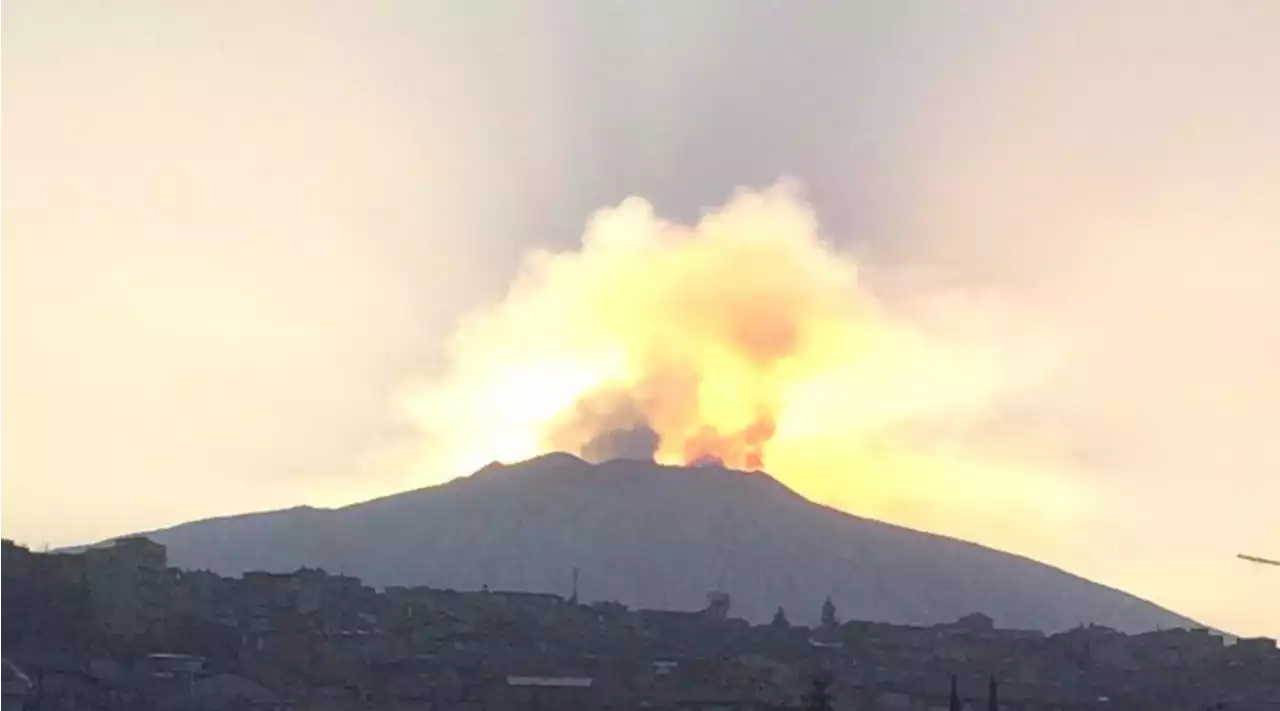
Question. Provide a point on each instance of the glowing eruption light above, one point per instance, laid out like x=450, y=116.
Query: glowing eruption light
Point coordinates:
x=745, y=339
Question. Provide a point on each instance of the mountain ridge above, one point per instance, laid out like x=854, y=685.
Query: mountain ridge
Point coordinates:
x=661, y=537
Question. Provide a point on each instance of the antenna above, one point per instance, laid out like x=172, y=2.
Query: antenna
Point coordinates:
x=1258, y=560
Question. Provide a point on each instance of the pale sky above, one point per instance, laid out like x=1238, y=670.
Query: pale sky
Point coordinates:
x=233, y=230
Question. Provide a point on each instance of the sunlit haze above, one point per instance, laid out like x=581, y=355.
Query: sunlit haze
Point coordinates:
x=999, y=270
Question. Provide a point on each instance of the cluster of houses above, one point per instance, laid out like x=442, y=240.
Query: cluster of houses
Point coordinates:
x=115, y=628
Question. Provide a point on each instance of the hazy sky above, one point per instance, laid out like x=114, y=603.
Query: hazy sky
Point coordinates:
x=233, y=231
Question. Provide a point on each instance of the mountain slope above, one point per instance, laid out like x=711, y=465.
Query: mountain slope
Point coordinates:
x=658, y=537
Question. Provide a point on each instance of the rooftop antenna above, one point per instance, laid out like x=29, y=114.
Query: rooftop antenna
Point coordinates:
x=1258, y=560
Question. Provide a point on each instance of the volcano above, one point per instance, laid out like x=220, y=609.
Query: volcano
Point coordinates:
x=658, y=537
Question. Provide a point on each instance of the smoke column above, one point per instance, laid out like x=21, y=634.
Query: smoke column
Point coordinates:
x=745, y=339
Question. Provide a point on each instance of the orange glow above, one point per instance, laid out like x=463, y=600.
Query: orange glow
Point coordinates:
x=749, y=339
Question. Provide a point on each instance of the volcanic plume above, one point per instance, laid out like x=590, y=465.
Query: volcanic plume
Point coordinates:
x=745, y=339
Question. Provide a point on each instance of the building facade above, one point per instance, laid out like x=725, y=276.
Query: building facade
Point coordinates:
x=127, y=586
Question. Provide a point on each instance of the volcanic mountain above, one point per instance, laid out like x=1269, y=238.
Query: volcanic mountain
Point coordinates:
x=658, y=537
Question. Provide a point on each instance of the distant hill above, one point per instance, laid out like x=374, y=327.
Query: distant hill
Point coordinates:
x=658, y=537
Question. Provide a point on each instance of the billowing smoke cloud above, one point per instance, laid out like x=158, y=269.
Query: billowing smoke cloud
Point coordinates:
x=604, y=425
x=710, y=323
x=744, y=340
x=637, y=442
